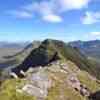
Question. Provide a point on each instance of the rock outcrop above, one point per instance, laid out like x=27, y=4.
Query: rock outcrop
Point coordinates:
x=39, y=80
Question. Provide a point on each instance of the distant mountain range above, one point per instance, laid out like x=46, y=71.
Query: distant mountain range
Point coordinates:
x=89, y=48
x=13, y=53
x=4, y=44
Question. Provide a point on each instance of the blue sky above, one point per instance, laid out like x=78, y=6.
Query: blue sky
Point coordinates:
x=68, y=20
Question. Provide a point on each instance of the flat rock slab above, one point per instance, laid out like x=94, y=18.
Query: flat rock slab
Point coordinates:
x=38, y=84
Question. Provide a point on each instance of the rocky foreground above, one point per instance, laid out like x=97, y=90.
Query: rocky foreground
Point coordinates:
x=58, y=80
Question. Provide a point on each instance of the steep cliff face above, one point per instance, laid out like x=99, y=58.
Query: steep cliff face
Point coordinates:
x=40, y=56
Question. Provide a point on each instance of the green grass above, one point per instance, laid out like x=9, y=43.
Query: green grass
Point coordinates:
x=63, y=92
x=8, y=91
x=91, y=84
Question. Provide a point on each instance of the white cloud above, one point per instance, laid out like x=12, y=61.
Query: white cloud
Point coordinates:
x=46, y=12
x=72, y=4
x=95, y=33
x=91, y=18
x=49, y=10
x=43, y=7
x=52, y=18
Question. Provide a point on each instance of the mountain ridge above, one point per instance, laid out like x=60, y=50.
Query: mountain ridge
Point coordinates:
x=50, y=48
x=89, y=48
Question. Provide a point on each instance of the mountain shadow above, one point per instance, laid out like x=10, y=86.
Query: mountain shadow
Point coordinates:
x=95, y=96
x=40, y=56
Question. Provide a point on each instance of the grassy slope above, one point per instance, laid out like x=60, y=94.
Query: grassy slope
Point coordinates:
x=79, y=59
x=8, y=91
